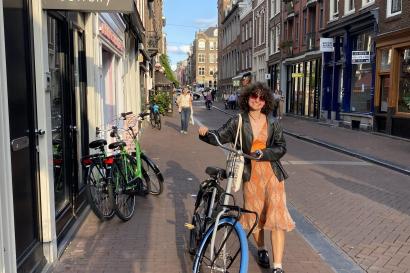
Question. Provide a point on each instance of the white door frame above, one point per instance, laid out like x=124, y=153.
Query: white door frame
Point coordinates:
x=7, y=234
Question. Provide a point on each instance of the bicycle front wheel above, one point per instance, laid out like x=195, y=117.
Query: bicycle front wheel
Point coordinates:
x=122, y=173
x=152, y=175
x=230, y=249
x=97, y=192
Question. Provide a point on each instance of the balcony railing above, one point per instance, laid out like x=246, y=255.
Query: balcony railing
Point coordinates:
x=290, y=9
x=287, y=47
x=311, y=41
x=311, y=3
x=152, y=42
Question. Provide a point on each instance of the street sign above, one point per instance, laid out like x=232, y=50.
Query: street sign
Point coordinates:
x=298, y=75
x=326, y=45
x=90, y=5
x=360, y=57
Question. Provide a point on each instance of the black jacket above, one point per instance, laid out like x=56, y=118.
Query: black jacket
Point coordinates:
x=275, y=145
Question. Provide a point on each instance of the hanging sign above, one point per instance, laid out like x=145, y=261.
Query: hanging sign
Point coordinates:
x=267, y=76
x=298, y=75
x=326, y=45
x=90, y=5
x=360, y=57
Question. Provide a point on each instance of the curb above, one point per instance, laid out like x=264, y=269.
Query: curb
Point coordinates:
x=340, y=149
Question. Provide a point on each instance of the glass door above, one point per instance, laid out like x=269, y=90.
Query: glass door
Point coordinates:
x=23, y=138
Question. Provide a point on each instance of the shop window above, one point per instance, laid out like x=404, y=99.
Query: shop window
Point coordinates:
x=385, y=60
x=384, y=93
x=361, y=77
x=404, y=85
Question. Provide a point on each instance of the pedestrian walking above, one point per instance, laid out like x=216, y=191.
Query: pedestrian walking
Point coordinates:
x=276, y=101
x=232, y=101
x=184, y=102
x=226, y=99
x=264, y=187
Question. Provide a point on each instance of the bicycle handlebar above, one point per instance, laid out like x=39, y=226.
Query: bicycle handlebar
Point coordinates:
x=238, y=152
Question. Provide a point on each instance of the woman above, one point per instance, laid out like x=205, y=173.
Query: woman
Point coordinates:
x=184, y=102
x=264, y=187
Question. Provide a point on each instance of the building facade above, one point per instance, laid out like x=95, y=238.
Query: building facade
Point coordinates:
x=348, y=81
x=392, y=87
x=62, y=74
x=230, y=41
x=205, y=58
x=260, y=40
x=301, y=57
x=274, y=31
x=246, y=26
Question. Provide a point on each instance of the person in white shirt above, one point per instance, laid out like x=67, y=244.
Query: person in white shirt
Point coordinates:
x=184, y=102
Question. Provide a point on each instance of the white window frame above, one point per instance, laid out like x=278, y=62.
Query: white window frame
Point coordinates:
x=211, y=58
x=201, y=69
x=366, y=3
x=389, y=6
x=211, y=45
x=201, y=58
x=334, y=15
x=274, y=8
x=347, y=11
x=200, y=42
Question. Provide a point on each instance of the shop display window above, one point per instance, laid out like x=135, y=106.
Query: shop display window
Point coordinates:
x=384, y=93
x=361, y=76
x=385, y=62
x=404, y=85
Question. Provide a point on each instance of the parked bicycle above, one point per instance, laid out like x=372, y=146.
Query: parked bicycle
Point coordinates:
x=113, y=181
x=216, y=237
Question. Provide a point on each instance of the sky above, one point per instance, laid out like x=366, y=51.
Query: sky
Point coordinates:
x=183, y=19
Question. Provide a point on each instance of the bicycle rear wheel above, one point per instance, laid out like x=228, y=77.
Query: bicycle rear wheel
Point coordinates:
x=97, y=192
x=122, y=173
x=152, y=175
x=158, y=121
x=230, y=249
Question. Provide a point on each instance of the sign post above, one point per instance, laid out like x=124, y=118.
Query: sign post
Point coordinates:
x=125, y=6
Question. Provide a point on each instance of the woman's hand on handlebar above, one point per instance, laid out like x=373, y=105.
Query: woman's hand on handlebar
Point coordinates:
x=203, y=131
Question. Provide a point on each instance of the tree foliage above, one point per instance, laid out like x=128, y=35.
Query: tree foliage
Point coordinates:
x=168, y=71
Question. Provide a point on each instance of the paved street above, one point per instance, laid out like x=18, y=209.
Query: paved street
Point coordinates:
x=361, y=208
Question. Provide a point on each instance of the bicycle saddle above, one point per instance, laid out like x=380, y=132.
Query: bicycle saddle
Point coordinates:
x=97, y=143
x=116, y=145
x=215, y=172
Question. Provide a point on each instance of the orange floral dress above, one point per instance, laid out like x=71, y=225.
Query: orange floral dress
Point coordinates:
x=265, y=194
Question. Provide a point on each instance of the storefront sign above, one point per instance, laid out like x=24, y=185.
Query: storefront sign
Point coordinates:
x=298, y=75
x=326, y=45
x=106, y=31
x=360, y=57
x=90, y=5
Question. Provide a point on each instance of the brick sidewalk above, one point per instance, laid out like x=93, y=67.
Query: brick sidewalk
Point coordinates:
x=155, y=239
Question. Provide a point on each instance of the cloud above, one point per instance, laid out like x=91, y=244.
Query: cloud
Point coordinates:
x=206, y=22
x=182, y=49
x=173, y=67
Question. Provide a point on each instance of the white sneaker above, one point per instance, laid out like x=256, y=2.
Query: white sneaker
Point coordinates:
x=182, y=131
x=185, y=132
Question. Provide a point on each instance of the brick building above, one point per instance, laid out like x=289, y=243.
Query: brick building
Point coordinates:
x=392, y=88
x=301, y=56
x=205, y=58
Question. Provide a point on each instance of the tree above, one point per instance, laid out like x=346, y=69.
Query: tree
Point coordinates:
x=168, y=71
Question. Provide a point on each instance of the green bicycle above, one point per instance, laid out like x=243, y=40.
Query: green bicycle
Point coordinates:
x=131, y=173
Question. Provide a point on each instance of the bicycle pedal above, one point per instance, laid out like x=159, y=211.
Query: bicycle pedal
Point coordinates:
x=189, y=226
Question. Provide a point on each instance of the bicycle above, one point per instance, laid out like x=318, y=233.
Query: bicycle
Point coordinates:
x=215, y=221
x=97, y=180
x=149, y=170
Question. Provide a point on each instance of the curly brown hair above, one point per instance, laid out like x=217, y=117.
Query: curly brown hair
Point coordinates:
x=263, y=91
